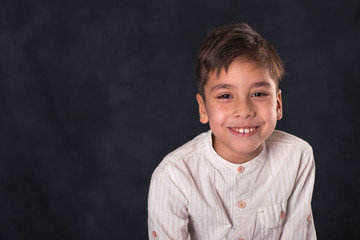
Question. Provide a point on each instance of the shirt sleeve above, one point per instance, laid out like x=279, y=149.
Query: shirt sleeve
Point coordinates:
x=167, y=207
x=299, y=222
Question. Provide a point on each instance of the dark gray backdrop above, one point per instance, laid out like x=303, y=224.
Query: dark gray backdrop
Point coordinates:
x=93, y=94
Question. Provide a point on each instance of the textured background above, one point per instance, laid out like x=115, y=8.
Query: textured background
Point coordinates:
x=93, y=94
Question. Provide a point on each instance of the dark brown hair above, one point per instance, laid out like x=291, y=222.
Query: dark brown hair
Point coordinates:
x=225, y=44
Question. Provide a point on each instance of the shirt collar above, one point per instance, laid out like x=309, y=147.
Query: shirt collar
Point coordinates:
x=220, y=162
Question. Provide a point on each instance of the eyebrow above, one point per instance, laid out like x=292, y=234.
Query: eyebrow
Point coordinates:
x=221, y=86
x=229, y=86
x=261, y=84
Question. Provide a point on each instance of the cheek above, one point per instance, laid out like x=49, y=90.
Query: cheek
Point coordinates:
x=216, y=114
x=269, y=112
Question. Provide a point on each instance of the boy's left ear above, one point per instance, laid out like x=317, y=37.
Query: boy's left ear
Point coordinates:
x=279, y=111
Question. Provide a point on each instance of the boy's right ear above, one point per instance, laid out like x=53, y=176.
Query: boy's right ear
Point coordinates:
x=202, y=110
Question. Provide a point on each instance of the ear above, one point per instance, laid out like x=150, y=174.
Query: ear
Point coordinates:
x=279, y=111
x=202, y=110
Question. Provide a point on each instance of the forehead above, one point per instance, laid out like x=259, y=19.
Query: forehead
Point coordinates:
x=242, y=71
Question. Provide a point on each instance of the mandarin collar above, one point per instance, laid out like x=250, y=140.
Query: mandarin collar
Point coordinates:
x=220, y=162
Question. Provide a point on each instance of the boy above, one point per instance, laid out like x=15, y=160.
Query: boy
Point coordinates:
x=242, y=179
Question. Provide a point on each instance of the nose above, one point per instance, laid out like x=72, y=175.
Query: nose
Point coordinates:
x=244, y=109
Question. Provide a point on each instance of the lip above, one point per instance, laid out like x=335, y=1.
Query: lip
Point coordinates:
x=244, y=131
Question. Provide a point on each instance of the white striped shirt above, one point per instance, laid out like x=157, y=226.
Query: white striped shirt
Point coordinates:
x=196, y=194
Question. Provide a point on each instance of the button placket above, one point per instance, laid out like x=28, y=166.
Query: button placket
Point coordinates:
x=243, y=191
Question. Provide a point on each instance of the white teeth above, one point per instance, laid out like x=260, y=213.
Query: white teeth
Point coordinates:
x=244, y=130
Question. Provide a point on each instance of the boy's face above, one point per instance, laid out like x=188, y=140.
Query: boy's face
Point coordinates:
x=242, y=107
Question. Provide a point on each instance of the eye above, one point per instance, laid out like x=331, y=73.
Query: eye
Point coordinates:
x=224, y=96
x=259, y=94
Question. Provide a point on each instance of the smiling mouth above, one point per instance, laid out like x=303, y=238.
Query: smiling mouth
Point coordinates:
x=244, y=130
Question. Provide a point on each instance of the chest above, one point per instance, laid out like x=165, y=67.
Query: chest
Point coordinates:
x=233, y=205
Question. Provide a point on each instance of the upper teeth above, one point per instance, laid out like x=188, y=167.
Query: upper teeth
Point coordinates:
x=244, y=130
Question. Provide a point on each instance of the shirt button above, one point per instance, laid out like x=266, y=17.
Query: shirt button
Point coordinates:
x=309, y=218
x=154, y=234
x=241, y=169
x=282, y=214
x=242, y=204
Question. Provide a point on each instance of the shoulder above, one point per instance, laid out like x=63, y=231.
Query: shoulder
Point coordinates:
x=282, y=140
x=178, y=168
x=186, y=155
x=290, y=152
x=288, y=149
